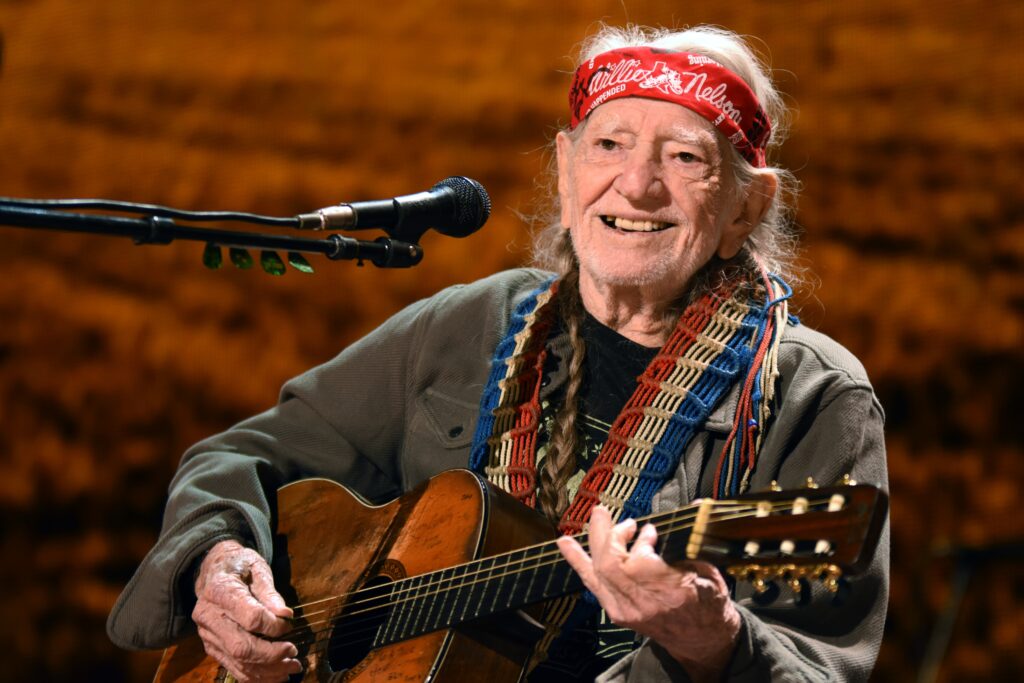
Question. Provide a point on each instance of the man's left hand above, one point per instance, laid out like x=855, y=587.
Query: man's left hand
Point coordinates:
x=686, y=609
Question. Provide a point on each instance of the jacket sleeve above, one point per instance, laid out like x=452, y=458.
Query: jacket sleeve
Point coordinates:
x=342, y=420
x=832, y=425
x=362, y=419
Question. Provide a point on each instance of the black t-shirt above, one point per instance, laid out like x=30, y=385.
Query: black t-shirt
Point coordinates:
x=611, y=366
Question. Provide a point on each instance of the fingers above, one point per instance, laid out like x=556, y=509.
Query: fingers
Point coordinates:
x=575, y=555
x=236, y=605
x=239, y=581
x=608, y=539
x=688, y=604
x=583, y=565
x=262, y=588
x=248, y=657
x=228, y=593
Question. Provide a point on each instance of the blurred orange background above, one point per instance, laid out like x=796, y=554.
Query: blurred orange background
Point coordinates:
x=114, y=358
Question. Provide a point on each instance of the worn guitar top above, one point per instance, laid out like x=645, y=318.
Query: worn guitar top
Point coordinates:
x=400, y=406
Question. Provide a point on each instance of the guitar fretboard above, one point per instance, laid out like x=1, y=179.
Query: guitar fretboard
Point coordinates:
x=439, y=600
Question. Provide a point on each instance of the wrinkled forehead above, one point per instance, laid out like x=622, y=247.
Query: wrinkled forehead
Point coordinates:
x=648, y=118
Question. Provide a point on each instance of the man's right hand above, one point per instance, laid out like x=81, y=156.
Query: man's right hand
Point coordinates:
x=237, y=609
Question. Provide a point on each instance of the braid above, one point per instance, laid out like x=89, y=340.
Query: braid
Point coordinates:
x=560, y=462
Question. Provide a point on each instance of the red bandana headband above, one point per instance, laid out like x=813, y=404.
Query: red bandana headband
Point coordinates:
x=690, y=80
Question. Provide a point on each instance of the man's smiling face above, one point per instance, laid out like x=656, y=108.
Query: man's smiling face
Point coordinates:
x=648, y=196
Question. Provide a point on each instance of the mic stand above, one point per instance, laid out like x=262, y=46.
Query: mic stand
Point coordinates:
x=384, y=252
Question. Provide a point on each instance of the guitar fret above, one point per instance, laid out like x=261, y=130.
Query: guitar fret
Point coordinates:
x=569, y=575
x=542, y=590
x=499, y=589
x=398, y=610
x=547, y=583
x=488, y=582
x=532, y=573
x=518, y=571
x=441, y=597
x=410, y=607
x=422, y=604
x=446, y=614
x=463, y=594
x=385, y=633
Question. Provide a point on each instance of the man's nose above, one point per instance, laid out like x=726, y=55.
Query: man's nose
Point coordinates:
x=641, y=177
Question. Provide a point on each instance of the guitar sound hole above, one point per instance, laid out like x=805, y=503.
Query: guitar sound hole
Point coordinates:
x=354, y=632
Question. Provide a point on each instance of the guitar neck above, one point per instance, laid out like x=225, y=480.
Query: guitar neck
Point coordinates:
x=812, y=533
x=450, y=597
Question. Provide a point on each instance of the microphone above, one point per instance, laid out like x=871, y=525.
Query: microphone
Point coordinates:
x=456, y=207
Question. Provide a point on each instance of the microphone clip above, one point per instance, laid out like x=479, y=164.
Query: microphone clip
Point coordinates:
x=383, y=252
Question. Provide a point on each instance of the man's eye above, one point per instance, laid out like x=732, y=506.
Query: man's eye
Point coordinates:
x=607, y=145
x=687, y=157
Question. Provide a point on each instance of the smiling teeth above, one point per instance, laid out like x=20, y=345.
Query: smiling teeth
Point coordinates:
x=637, y=226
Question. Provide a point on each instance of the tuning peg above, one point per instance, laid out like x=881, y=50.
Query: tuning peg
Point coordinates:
x=811, y=483
x=774, y=486
x=835, y=503
x=801, y=591
x=847, y=480
x=765, y=592
x=764, y=509
x=830, y=575
x=841, y=593
x=800, y=505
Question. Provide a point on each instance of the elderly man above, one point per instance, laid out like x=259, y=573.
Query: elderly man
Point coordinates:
x=656, y=365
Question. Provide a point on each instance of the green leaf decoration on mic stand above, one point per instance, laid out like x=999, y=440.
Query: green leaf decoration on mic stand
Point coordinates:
x=241, y=258
x=212, y=258
x=271, y=263
x=299, y=262
x=269, y=260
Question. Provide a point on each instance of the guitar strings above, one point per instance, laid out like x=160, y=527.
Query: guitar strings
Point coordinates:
x=642, y=520
x=460, y=582
x=454, y=583
x=356, y=635
x=688, y=513
x=525, y=564
x=478, y=561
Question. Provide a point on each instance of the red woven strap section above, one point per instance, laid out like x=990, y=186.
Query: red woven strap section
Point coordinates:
x=691, y=324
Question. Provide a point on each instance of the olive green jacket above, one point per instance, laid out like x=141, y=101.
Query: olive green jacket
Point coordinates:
x=400, y=406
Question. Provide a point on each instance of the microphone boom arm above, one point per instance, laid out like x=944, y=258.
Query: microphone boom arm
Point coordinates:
x=384, y=252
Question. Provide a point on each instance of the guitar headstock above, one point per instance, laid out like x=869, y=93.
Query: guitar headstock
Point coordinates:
x=810, y=533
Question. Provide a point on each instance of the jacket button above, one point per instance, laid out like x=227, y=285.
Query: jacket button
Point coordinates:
x=454, y=431
x=545, y=380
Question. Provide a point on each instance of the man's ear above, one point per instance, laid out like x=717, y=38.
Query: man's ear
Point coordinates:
x=749, y=212
x=563, y=152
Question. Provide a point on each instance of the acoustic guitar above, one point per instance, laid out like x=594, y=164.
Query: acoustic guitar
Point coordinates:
x=446, y=582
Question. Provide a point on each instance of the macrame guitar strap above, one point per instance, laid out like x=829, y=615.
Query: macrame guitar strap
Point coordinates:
x=720, y=340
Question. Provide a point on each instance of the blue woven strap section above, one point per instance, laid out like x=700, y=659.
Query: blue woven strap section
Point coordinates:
x=706, y=393
x=479, y=451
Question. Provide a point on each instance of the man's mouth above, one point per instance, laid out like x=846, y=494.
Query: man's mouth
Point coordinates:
x=627, y=225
